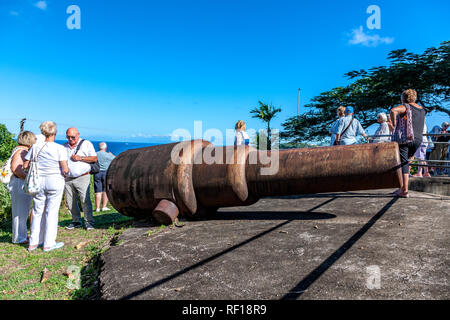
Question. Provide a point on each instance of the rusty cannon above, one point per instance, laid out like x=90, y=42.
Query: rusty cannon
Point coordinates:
x=195, y=178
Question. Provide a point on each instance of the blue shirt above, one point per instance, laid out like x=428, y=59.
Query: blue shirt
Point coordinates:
x=104, y=159
x=333, y=130
x=355, y=129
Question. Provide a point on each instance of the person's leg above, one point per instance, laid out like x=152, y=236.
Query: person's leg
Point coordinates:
x=103, y=186
x=71, y=200
x=82, y=185
x=105, y=200
x=403, y=150
x=98, y=191
x=409, y=152
x=425, y=169
x=405, y=184
x=439, y=150
x=43, y=229
x=51, y=212
x=434, y=156
x=20, y=205
x=98, y=199
x=38, y=209
x=444, y=158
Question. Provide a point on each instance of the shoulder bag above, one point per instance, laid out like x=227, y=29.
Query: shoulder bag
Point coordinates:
x=338, y=142
x=403, y=131
x=31, y=185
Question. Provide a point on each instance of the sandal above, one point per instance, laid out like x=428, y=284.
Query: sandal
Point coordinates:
x=402, y=195
x=32, y=248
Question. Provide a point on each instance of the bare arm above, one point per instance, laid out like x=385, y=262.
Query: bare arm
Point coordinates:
x=84, y=159
x=17, y=164
x=393, y=116
x=64, y=167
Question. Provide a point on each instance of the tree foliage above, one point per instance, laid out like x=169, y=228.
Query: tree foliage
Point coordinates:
x=378, y=90
x=7, y=143
x=265, y=112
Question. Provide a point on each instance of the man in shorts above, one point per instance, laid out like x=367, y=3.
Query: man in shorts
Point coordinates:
x=104, y=160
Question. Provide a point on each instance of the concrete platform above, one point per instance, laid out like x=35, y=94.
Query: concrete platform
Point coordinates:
x=351, y=245
x=438, y=185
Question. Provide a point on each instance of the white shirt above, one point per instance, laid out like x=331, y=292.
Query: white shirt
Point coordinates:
x=48, y=156
x=241, y=138
x=78, y=168
x=382, y=130
x=40, y=138
x=355, y=129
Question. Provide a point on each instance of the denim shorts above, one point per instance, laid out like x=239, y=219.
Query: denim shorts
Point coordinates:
x=100, y=182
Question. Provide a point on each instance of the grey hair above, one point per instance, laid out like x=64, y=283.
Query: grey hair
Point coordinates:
x=48, y=128
x=383, y=116
x=102, y=145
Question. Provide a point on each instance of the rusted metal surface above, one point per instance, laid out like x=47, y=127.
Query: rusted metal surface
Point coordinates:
x=205, y=177
x=166, y=212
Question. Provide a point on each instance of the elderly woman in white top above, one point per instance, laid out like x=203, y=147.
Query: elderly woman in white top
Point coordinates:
x=20, y=201
x=383, y=129
x=241, y=137
x=52, y=167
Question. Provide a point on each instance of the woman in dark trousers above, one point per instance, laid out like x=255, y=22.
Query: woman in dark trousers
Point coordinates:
x=407, y=150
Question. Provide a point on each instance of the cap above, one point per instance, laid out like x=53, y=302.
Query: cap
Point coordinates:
x=349, y=110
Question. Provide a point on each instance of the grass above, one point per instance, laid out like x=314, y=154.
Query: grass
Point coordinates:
x=21, y=271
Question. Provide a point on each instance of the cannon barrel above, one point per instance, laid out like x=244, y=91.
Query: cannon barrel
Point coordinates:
x=195, y=178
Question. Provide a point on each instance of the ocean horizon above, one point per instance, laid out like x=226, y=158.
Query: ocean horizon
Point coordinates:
x=116, y=147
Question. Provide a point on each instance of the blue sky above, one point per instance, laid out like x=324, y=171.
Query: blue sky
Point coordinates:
x=141, y=69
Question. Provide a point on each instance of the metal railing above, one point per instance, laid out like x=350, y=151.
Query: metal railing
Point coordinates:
x=446, y=162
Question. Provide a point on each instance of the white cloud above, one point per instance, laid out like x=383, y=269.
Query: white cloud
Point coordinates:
x=41, y=5
x=360, y=37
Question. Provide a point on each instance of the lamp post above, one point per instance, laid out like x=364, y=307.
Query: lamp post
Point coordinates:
x=298, y=103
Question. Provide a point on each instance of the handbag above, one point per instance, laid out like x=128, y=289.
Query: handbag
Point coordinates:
x=6, y=171
x=31, y=185
x=403, y=132
x=338, y=142
x=95, y=166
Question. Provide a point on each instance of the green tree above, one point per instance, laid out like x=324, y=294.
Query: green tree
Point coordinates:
x=7, y=143
x=378, y=90
x=265, y=112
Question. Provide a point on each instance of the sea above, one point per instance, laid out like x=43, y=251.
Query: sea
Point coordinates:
x=116, y=147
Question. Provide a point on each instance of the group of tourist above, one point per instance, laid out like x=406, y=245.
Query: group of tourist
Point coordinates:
x=62, y=169
x=346, y=129
x=67, y=168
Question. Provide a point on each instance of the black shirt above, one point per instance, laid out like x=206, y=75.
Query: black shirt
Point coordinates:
x=418, y=120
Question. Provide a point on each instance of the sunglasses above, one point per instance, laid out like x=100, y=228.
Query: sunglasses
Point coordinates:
x=71, y=137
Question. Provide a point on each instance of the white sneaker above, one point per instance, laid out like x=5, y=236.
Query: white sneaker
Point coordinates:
x=56, y=246
x=98, y=210
x=105, y=209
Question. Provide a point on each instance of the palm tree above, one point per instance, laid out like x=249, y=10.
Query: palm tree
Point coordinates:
x=266, y=113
